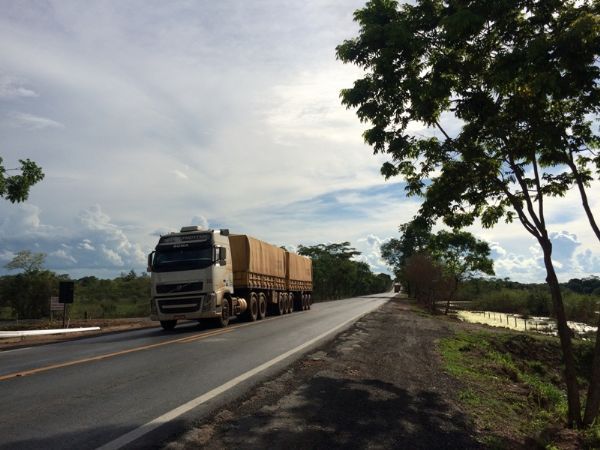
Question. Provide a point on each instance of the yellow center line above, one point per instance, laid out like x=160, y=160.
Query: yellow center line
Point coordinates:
x=113, y=354
x=183, y=340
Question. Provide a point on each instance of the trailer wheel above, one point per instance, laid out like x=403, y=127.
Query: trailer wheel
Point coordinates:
x=281, y=304
x=286, y=304
x=309, y=302
x=262, y=306
x=168, y=325
x=223, y=321
x=303, y=302
x=252, y=311
x=290, y=303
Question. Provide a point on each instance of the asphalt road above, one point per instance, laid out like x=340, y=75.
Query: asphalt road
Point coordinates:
x=138, y=387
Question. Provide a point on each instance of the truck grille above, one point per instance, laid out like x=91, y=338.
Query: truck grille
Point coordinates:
x=179, y=287
x=179, y=305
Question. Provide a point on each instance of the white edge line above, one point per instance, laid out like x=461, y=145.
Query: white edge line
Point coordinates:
x=186, y=407
x=12, y=334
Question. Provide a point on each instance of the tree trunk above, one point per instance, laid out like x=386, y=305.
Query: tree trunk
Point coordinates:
x=564, y=334
x=451, y=296
x=592, y=404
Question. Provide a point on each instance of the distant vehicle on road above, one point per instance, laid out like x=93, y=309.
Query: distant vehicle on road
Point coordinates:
x=213, y=275
x=397, y=287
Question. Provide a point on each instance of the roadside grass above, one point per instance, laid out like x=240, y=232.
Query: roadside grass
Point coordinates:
x=513, y=388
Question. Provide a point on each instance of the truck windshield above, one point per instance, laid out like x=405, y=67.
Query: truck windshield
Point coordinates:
x=182, y=259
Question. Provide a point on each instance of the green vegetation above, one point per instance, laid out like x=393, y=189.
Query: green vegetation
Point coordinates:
x=336, y=275
x=15, y=188
x=128, y=295
x=433, y=266
x=520, y=79
x=27, y=296
x=513, y=388
x=532, y=299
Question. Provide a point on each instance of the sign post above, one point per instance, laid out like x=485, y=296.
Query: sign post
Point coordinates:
x=54, y=306
x=65, y=295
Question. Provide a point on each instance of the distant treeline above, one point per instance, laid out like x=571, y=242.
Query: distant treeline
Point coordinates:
x=581, y=297
x=27, y=295
x=337, y=275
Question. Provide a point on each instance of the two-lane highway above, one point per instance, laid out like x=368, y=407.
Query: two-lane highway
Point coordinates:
x=121, y=389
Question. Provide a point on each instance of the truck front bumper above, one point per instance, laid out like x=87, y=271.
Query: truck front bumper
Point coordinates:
x=184, y=307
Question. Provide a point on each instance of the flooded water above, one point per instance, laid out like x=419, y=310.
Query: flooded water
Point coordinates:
x=544, y=325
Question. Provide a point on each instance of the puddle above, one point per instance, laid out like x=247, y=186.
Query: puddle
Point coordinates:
x=544, y=325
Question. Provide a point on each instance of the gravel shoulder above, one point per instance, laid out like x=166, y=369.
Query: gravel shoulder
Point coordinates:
x=379, y=384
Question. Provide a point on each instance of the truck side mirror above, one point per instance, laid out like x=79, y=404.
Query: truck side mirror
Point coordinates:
x=149, y=268
x=222, y=256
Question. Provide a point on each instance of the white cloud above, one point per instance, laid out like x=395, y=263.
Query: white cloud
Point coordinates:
x=11, y=88
x=6, y=255
x=200, y=220
x=370, y=248
x=86, y=244
x=90, y=244
x=31, y=121
x=229, y=108
x=63, y=255
x=179, y=174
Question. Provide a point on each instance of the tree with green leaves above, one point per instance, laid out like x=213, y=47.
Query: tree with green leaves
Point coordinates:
x=414, y=238
x=27, y=261
x=508, y=91
x=28, y=293
x=337, y=275
x=458, y=254
x=461, y=255
x=15, y=188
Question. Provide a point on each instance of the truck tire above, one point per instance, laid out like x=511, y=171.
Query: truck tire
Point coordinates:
x=303, y=302
x=252, y=311
x=262, y=306
x=281, y=304
x=290, y=303
x=286, y=303
x=309, y=302
x=223, y=320
x=168, y=325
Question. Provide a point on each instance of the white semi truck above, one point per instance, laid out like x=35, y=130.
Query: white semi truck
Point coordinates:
x=199, y=274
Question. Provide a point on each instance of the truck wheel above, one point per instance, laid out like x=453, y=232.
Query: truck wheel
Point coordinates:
x=262, y=306
x=303, y=302
x=309, y=302
x=281, y=304
x=290, y=303
x=223, y=321
x=286, y=303
x=252, y=311
x=168, y=325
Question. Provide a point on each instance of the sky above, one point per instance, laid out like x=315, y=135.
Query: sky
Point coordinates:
x=147, y=116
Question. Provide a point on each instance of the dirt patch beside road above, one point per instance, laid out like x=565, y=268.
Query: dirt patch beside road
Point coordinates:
x=379, y=384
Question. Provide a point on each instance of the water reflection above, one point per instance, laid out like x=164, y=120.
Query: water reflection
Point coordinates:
x=544, y=325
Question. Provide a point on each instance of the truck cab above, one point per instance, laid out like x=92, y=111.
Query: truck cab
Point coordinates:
x=191, y=275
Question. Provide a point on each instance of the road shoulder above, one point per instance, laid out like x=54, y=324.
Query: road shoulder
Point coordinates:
x=379, y=384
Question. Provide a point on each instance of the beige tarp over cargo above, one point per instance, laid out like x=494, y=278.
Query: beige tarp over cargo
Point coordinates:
x=299, y=272
x=256, y=264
